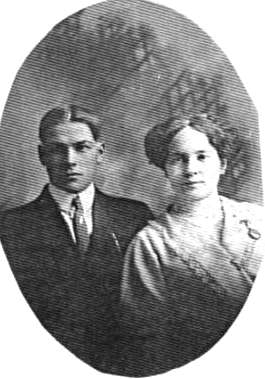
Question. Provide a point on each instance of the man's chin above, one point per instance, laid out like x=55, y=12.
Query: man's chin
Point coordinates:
x=72, y=188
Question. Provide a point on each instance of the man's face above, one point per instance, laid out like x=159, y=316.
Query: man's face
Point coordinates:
x=193, y=166
x=71, y=155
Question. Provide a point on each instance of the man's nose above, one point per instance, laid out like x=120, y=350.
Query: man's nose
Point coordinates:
x=71, y=156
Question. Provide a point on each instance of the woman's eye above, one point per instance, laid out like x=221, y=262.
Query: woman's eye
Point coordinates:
x=201, y=157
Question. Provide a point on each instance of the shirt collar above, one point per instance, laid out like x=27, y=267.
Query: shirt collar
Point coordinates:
x=64, y=199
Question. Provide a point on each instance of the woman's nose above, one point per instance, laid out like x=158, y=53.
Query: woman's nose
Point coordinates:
x=191, y=167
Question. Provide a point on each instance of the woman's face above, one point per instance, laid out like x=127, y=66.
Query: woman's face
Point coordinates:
x=193, y=166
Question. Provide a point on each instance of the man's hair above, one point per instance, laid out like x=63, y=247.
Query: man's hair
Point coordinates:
x=72, y=113
x=158, y=139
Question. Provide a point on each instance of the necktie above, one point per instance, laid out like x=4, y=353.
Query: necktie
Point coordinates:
x=80, y=228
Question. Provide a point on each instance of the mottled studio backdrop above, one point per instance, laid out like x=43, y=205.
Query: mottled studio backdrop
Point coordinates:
x=134, y=63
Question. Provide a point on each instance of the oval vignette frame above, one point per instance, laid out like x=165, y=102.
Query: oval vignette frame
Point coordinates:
x=210, y=361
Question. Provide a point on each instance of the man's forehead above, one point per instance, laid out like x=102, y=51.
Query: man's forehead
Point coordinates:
x=69, y=132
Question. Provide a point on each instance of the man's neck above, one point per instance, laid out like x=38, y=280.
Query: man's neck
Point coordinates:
x=64, y=198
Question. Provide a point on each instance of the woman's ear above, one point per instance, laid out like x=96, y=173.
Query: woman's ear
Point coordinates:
x=223, y=166
x=41, y=152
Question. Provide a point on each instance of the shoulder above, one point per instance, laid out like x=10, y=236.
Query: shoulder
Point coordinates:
x=31, y=207
x=155, y=226
x=125, y=216
x=123, y=205
x=153, y=234
x=20, y=217
x=19, y=211
x=245, y=233
x=242, y=206
x=249, y=213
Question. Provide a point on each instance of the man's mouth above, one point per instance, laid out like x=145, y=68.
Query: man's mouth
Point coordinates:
x=69, y=174
x=193, y=183
x=73, y=175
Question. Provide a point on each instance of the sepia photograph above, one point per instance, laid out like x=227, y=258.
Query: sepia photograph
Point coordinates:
x=131, y=198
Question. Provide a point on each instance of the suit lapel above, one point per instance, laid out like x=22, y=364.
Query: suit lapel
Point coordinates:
x=55, y=235
x=104, y=258
x=101, y=268
x=54, y=231
x=102, y=223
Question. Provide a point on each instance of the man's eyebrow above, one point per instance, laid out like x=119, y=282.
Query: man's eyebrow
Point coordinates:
x=90, y=142
x=63, y=144
x=56, y=143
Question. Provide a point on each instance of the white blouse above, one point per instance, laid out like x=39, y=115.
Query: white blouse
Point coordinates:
x=183, y=284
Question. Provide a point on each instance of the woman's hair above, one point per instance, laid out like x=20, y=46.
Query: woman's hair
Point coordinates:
x=71, y=113
x=158, y=139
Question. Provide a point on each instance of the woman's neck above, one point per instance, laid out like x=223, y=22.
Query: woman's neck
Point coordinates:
x=208, y=207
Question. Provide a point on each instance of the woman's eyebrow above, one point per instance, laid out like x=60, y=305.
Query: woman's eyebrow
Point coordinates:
x=202, y=151
x=183, y=153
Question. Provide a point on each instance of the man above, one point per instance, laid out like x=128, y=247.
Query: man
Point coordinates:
x=66, y=247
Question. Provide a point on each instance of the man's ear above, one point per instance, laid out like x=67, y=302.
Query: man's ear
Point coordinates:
x=42, y=155
x=223, y=166
x=100, y=152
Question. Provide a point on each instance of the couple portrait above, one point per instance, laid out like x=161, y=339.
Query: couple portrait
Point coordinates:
x=131, y=217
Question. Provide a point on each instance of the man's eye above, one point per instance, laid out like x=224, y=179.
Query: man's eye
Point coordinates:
x=83, y=147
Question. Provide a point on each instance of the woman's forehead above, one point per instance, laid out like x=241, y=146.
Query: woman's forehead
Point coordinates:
x=189, y=140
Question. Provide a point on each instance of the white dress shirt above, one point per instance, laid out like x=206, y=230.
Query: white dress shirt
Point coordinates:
x=64, y=201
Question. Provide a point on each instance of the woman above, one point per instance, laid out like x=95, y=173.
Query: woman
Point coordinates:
x=188, y=273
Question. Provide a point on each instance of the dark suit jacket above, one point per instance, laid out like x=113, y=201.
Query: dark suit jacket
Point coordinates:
x=75, y=299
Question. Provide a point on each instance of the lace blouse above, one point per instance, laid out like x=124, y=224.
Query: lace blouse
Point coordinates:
x=183, y=285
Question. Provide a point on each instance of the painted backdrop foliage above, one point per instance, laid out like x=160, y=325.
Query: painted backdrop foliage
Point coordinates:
x=134, y=63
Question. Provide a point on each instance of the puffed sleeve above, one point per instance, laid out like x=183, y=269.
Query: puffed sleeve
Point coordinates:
x=144, y=308
x=244, y=235
x=144, y=293
x=254, y=221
